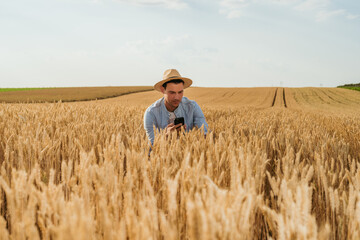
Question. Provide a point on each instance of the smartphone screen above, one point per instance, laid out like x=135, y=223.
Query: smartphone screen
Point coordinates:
x=179, y=120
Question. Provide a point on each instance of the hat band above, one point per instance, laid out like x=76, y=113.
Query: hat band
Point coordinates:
x=176, y=77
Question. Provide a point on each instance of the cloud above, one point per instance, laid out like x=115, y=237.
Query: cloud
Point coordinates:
x=283, y=2
x=351, y=16
x=234, y=14
x=171, y=4
x=233, y=8
x=320, y=9
x=325, y=15
x=169, y=50
x=312, y=5
x=151, y=46
x=234, y=3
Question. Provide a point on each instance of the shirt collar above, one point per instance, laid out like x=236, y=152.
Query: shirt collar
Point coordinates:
x=165, y=109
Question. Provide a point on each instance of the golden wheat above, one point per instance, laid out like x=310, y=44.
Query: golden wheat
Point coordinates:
x=82, y=171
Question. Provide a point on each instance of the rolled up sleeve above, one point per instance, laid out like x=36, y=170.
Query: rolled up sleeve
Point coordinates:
x=199, y=118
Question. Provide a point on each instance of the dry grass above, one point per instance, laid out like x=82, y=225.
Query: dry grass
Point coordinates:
x=67, y=94
x=81, y=171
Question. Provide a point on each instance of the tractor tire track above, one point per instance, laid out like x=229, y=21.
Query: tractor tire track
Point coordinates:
x=281, y=99
x=273, y=103
x=284, y=98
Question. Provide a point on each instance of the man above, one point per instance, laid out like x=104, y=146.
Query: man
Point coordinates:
x=164, y=111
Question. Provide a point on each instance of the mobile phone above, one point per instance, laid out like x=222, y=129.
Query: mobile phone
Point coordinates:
x=179, y=120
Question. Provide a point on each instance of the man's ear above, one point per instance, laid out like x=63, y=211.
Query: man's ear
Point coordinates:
x=162, y=89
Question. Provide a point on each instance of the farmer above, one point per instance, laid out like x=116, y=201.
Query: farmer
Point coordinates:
x=171, y=106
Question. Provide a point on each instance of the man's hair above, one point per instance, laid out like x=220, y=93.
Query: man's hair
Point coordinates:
x=176, y=81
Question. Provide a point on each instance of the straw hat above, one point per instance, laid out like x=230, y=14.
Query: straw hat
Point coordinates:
x=172, y=74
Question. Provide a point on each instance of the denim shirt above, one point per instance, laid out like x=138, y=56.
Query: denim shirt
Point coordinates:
x=157, y=115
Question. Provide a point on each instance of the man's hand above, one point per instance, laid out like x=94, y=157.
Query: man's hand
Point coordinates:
x=171, y=127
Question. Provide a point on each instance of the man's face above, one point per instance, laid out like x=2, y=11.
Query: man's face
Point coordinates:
x=173, y=94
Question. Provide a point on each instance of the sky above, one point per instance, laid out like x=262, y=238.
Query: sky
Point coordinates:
x=216, y=43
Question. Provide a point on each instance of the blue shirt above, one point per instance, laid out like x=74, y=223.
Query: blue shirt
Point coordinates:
x=157, y=115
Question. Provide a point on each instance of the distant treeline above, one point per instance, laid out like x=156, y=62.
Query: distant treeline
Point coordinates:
x=351, y=85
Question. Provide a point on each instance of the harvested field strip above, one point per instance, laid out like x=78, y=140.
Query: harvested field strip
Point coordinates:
x=68, y=94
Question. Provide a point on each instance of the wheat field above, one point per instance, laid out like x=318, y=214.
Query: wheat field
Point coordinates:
x=69, y=94
x=278, y=163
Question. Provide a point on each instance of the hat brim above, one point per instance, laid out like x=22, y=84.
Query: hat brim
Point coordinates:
x=187, y=82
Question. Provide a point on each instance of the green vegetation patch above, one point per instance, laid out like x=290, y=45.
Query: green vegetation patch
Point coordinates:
x=352, y=88
x=17, y=89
